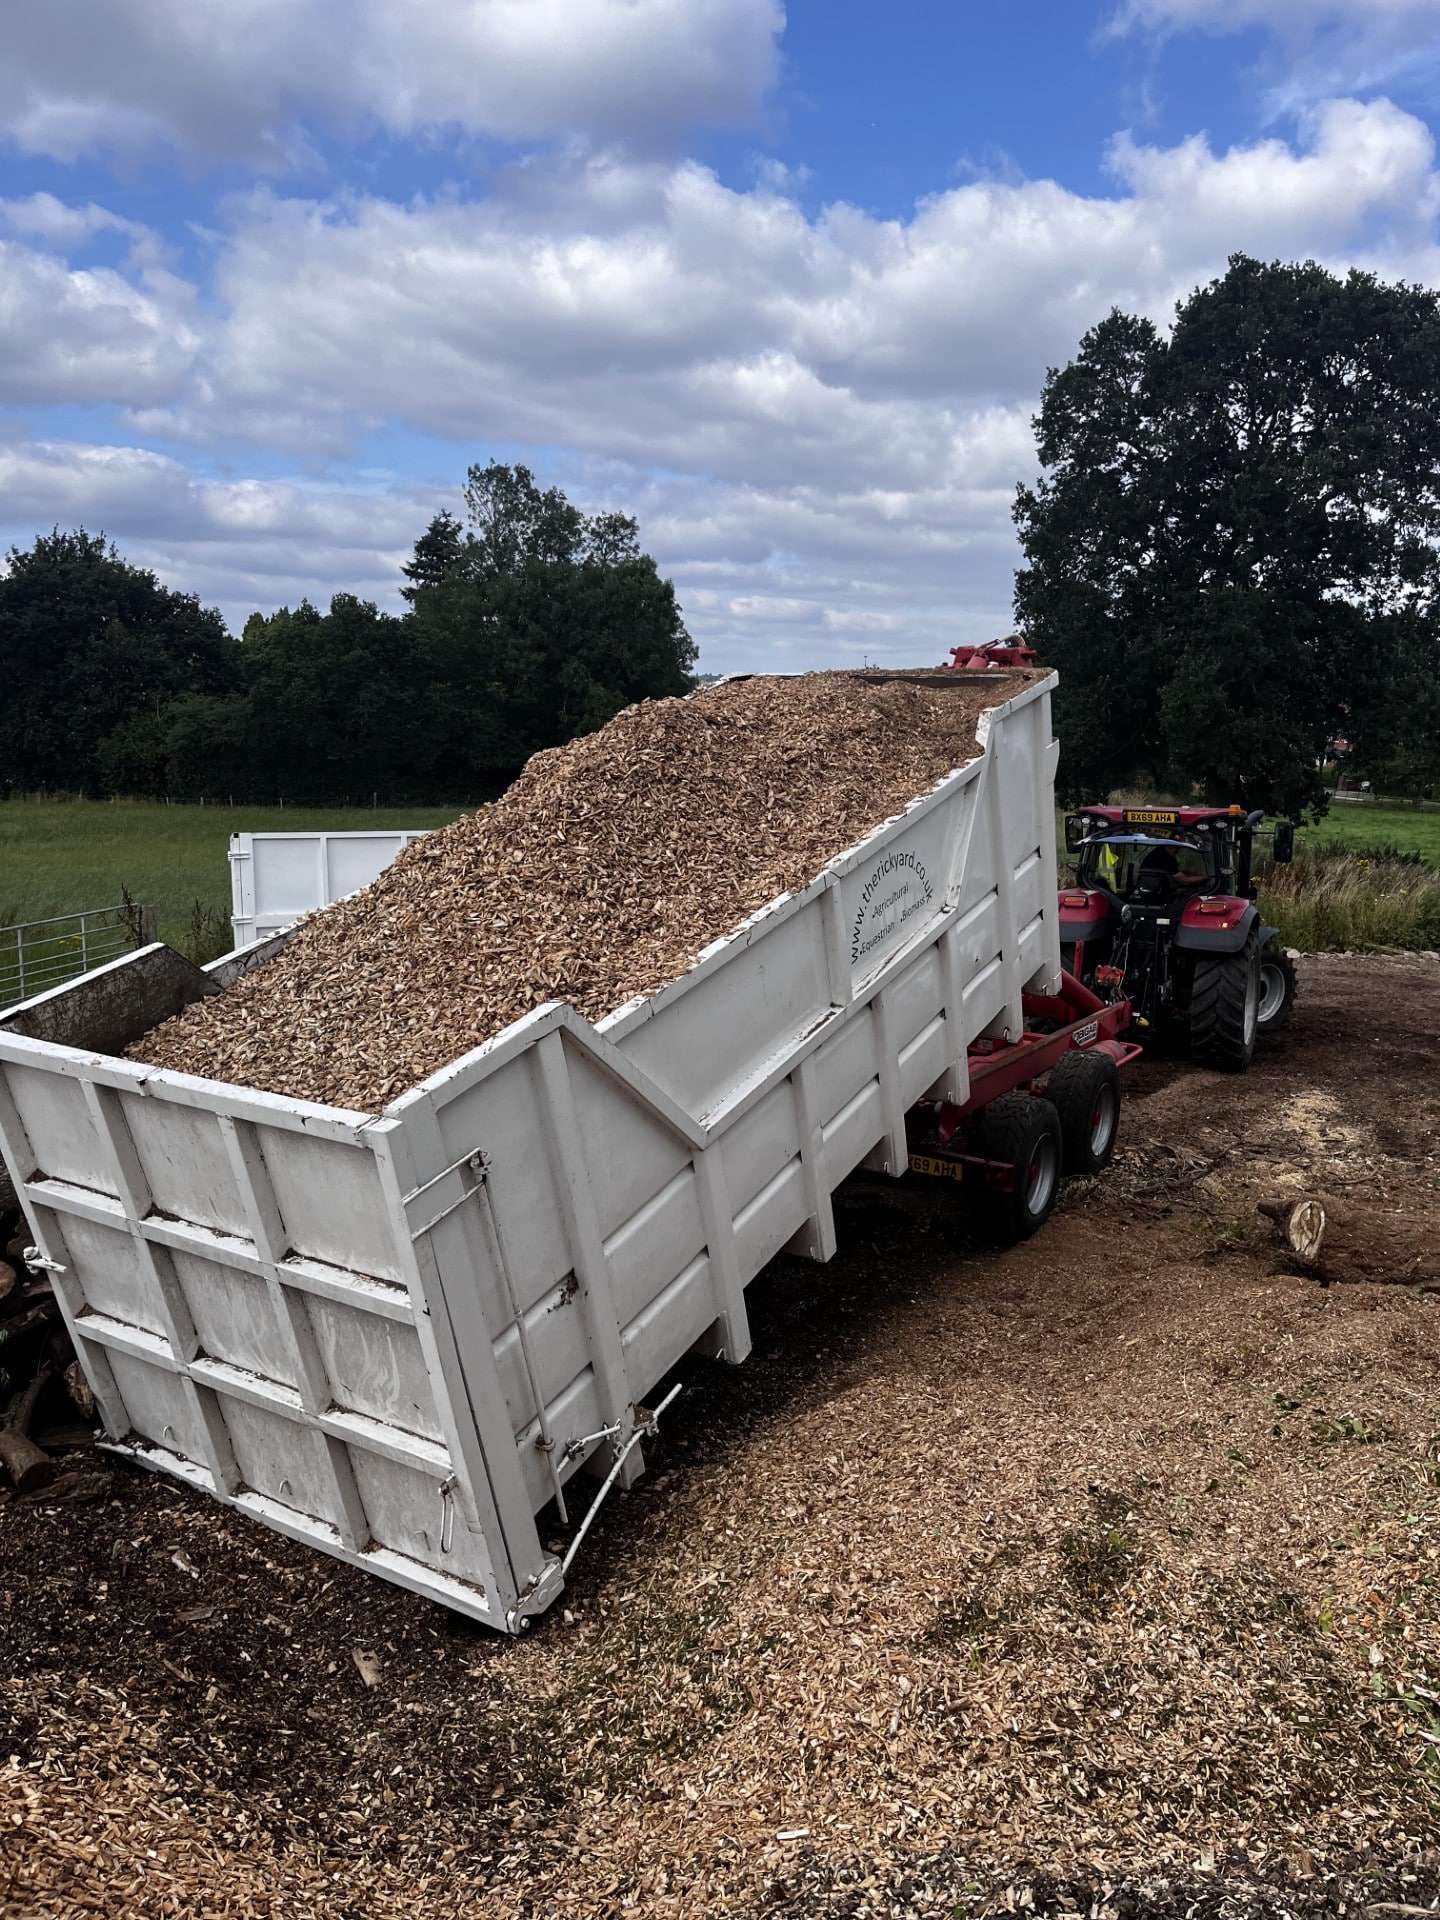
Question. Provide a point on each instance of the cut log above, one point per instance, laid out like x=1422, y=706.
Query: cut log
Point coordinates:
x=1355, y=1240
x=1302, y=1221
x=8, y=1279
x=28, y=1466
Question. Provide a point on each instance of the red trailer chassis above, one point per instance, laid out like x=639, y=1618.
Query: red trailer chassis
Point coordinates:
x=945, y=1136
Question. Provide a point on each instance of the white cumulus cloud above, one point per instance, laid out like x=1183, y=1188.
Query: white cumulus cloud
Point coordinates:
x=241, y=544
x=89, y=334
x=819, y=419
x=1316, y=48
x=253, y=79
x=648, y=312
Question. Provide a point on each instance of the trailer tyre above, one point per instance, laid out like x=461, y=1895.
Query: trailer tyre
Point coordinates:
x=1023, y=1131
x=1277, y=987
x=1225, y=1008
x=1084, y=1089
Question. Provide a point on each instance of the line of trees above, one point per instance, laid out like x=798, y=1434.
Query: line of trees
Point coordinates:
x=1233, y=555
x=527, y=623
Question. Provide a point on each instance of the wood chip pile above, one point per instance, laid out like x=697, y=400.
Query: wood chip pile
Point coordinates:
x=599, y=875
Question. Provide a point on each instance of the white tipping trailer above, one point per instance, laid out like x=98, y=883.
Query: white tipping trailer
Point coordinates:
x=399, y=1337
x=275, y=878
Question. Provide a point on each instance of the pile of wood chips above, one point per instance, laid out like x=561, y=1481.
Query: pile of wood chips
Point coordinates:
x=599, y=875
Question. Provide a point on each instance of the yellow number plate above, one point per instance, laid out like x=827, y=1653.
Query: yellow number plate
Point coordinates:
x=947, y=1169
x=1149, y=817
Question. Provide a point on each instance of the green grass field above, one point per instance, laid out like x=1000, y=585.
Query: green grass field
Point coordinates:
x=1367, y=825
x=61, y=856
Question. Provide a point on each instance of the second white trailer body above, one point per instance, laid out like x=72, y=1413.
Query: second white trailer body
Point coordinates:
x=275, y=878
x=396, y=1337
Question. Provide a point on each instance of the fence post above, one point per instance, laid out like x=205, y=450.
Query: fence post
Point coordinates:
x=149, y=925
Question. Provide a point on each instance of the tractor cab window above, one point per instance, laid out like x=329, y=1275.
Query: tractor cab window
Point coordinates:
x=1135, y=867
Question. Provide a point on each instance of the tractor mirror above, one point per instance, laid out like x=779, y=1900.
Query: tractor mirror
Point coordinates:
x=1284, y=841
x=1075, y=833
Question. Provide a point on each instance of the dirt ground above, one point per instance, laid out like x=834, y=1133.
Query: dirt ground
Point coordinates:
x=1100, y=1574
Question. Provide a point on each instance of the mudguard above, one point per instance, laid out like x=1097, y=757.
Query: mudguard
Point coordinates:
x=1084, y=914
x=1218, y=924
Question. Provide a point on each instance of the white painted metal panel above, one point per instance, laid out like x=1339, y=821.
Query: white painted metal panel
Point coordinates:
x=229, y=1273
x=396, y=1337
x=277, y=877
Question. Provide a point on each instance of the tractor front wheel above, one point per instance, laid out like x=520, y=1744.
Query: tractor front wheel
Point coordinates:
x=1225, y=1008
x=1277, y=987
x=1023, y=1131
x=1084, y=1089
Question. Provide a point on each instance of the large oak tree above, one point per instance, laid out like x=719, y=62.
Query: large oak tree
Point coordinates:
x=1231, y=554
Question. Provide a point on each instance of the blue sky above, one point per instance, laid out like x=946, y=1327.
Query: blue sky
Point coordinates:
x=781, y=280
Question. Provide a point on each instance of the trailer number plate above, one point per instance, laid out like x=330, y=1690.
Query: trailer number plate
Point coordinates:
x=1150, y=817
x=946, y=1169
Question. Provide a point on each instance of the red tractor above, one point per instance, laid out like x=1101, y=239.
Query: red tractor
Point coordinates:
x=1163, y=914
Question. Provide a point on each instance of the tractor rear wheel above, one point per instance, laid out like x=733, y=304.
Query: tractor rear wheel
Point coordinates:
x=1084, y=1090
x=1225, y=1008
x=1023, y=1131
x=1277, y=987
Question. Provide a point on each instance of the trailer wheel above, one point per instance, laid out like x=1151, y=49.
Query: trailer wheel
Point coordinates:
x=1277, y=987
x=1225, y=1008
x=1024, y=1131
x=1084, y=1089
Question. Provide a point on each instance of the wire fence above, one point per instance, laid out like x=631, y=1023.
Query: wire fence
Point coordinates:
x=43, y=953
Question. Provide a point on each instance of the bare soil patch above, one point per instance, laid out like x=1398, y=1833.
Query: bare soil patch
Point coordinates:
x=1101, y=1573
x=601, y=874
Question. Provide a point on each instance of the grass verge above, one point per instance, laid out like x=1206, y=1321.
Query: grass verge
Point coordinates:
x=1335, y=897
x=1361, y=825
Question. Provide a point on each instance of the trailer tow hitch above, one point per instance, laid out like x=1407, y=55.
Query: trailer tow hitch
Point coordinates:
x=647, y=1425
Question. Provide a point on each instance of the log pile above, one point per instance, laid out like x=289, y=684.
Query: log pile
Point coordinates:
x=599, y=875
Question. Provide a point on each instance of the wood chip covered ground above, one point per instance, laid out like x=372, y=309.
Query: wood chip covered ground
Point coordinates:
x=1100, y=1575
x=599, y=875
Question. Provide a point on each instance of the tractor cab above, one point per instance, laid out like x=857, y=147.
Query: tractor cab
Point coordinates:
x=1162, y=913
x=1141, y=868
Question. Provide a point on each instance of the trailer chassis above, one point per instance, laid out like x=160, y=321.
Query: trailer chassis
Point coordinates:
x=949, y=1139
